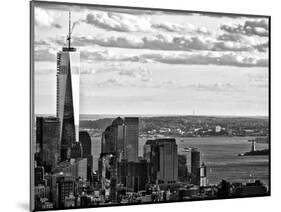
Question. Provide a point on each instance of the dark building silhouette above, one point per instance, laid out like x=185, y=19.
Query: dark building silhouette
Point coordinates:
x=85, y=201
x=162, y=154
x=119, y=142
x=133, y=175
x=121, y=139
x=65, y=188
x=47, y=138
x=39, y=176
x=224, y=189
x=76, y=150
x=113, y=138
x=86, y=143
x=195, y=166
x=182, y=168
x=131, y=138
x=39, y=139
x=250, y=189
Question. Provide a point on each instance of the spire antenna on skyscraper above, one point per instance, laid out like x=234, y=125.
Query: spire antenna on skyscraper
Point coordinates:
x=69, y=30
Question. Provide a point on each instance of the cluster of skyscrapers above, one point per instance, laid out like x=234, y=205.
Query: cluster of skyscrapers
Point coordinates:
x=121, y=167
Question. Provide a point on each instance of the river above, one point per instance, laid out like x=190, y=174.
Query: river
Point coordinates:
x=220, y=156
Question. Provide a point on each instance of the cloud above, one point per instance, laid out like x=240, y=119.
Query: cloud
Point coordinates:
x=45, y=54
x=119, y=22
x=227, y=58
x=126, y=11
x=44, y=18
x=208, y=58
x=215, y=87
x=172, y=27
x=259, y=85
x=204, y=87
x=258, y=77
x=263, y=47
x=258, y=80
x=230, y=37
x=212, y=87
x=249, y=43
x=167, y=83
x=137, y=23
x=194, y=38
x=111, y=83
x=88, y=71
x=201, y=58
x=141, y=73
x=162, y=41
x=258, y=27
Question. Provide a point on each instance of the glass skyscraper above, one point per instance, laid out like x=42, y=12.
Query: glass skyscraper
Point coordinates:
x=131, y=138
x=68, y=76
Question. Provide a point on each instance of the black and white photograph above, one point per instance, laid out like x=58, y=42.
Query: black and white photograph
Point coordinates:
x=136, y=105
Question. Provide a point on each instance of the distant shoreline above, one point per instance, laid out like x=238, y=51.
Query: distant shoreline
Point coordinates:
x=101, y=116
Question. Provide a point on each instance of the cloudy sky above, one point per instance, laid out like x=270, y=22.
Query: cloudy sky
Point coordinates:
x=152, y=62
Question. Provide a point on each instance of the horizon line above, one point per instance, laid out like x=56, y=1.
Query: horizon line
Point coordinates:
x=158, y=115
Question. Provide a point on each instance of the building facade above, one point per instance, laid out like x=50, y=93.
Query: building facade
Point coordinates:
x=134, y=176
x=195, y=166
x=163, y=156
x=131, y=138
x=47, y=138
x=86, y=144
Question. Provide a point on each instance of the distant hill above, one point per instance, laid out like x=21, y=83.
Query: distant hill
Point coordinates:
x=183, y=122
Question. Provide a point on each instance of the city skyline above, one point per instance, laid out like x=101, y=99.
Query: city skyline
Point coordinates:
x=167, y=66
x=186, y=62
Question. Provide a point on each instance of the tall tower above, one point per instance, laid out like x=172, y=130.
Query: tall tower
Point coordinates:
x=68, y=76
x=195, y=166
x=131, y=138
x=168, y=158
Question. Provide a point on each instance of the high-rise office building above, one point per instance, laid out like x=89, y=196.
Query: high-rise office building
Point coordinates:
x=195, y=166
x=131, y=138
x=121, y=138
x=119, y=142
x=162, y=154
x=68, y=76
x=113, y=139
x=119, y=128
x=182, y=168
x=86, y=143
x=168, y=160
x=47, y=137
x=187, y=153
